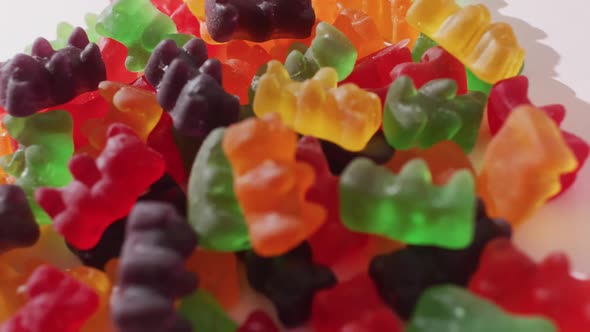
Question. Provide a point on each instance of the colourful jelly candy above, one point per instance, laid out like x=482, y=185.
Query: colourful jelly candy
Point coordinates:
x=214, y=211
x=114, y=55
x=270, y=184
x=407, y=207
x=125, y=169
x=18, y=228
x=46, y=146
x=514, y=188
x=423, y=44
x=258, y=321
x=581, y=150
x=57, y=302
x=162, y=140
x=27, y=83
x=453, y=309
x=361, y=30
x=401, y=28
x=203, y=313
x=158, y=240
x=5, y=149
x=107, y=248
x=345, y=115
x=424, y=117
x=490, y=50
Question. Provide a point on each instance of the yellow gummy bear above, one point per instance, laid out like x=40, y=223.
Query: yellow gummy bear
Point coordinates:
x=345, y=115
x=490, y=50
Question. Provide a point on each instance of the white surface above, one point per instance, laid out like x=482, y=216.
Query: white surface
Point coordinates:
x=554, y=36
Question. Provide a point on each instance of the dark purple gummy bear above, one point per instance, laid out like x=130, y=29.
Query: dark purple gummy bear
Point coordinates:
x=289, y=281
x=377, y=149
x=48, y=78
x=18, y=228
x=189, y=88
x=402, y=276
x=259, y=20
x=151, y=273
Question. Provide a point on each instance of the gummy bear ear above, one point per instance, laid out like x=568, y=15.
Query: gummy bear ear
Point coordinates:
x=42, y=48
x=78, y=38
x=212, y=67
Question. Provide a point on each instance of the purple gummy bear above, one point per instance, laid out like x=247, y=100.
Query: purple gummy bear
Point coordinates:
x=259, y=20
x=48, y=78
x=18, y=228
x=151, y=273
x=189, y=88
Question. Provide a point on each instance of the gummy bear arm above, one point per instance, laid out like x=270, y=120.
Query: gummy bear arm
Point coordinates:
x=85, y=170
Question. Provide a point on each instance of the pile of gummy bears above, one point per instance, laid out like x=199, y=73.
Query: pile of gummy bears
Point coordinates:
x=317, y=152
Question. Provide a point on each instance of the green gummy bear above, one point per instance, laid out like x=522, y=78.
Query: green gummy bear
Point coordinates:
x=329, y=48
x=45, y=148
x=422, y=118
x=213, y=210
x=407, y=207
x=137, y=24
x=454, y=309
x=205, y=314
x=423, y=44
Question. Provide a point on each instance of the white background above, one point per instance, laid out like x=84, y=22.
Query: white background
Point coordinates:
x=554, y=35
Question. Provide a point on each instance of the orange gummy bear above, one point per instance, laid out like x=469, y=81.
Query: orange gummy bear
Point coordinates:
x=443, y=160
x=11, y=300
x=401, y=28
x=361, y=30
x=270, y=184
x=217, y=273
x=5, y=149
x=325, y=10
x=100, y=321
x=523, y=164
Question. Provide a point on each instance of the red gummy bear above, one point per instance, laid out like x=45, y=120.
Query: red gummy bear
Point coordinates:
x=508, y=94
x=114, y=55
x=436, y=63
x=57, y=303
x=258, y=321
x=161, y=139
x=547, y=288
x=167, y=6
x=103, y=190
x=353, y=305
x=332, y=241
x=185, y=21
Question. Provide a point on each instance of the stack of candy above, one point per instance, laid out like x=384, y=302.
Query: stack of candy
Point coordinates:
x=318, y=151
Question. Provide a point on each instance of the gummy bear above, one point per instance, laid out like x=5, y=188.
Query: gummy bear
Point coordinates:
x=5, y=149
x=424, y=117
x=125, y=169
x=513, y=188
x=161, y=139
x=270, y=184
x=167, y=7
x=401, y=276
x=258, y=20
x=114, y=55
x=332, y=242
x=549, y=288
x=108, y=247
x=258, y=321
x=423, y=44
x=345, y=115
x=45, y=147
x=288, y=281
x=407, y=207
x=185, y=21
x=435, y=63
x=401, y=28
x=443, y=159
x=18, y=228
x=189, y=88
x=204, y=314
x=214, y=211
x=581, y=150
x=65, y=29
x=379, y=10
x=158, y=240
x=490, y=50
x=453, y=309
x=361, y=30
x=138, y=25
x=27, y=83
x=347, y=304
x=57, y=303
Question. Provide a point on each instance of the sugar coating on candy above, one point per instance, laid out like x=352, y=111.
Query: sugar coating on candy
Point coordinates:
x=214, y=211
x=205, y=314
x=138, y=25
x=453, y=309
x=151, y=271
x=549, y=288
x=189, y=88
x=401, y=276
x=258, y=20
x=288, y=281
x=104, y=189
x=345, y=115
x=407, y=207
x=47, y=77
x=270, y=184
x=18, y=227
x=433, y=113
x=45, y=147
x=56, y=302
x=435, y=63
x=513, y=188
x=258, y=321
x=490, y=50
x=351, y=304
